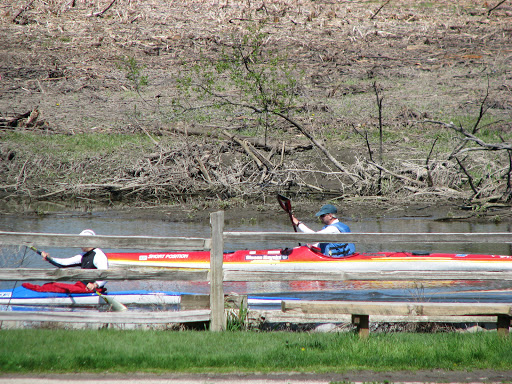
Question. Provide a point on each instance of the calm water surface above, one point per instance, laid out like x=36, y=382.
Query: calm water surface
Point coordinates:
x=110, y=223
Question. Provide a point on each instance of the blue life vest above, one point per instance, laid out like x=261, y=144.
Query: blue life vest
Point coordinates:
x=338, y=249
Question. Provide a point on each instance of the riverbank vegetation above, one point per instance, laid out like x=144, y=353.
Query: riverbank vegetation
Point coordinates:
x=134, y=103
x=59, y=351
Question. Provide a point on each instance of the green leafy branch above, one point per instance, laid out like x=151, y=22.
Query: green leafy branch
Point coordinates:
x=134, y=72
x=248, y=75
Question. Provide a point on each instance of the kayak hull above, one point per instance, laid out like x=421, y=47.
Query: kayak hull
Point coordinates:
x=24, y=296
x=27, y=297
x=304, y=259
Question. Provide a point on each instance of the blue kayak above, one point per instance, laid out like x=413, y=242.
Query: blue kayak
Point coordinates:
x=24, y=296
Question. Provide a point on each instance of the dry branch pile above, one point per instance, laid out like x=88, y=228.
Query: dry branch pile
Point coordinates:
x=113, y=66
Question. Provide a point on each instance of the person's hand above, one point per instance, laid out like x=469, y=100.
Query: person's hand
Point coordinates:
x=45, y=255
x=295, y=220
x=92, y=286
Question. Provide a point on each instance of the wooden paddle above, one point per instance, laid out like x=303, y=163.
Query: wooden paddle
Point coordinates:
x=114, y=304
x=286, y=204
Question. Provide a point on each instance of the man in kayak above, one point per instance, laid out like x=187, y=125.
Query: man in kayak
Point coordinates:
x=90, y=258
x=327, y=215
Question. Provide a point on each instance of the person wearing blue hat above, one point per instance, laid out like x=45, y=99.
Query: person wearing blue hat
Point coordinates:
x=327, y=215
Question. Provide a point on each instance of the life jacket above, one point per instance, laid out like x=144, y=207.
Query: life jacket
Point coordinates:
x=338, y=249
x=88, y=262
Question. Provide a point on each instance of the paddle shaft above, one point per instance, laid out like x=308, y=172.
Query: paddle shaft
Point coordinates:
x=36, y=250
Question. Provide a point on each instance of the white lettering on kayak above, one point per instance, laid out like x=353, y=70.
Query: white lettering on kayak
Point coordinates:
x=270, y=252
x=5, y=294
x=159, y=256
x=266, y=257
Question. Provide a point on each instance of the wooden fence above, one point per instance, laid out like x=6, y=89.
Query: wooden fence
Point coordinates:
x=217, y=276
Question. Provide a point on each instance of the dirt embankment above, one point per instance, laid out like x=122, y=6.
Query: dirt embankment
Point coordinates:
x=113, y=67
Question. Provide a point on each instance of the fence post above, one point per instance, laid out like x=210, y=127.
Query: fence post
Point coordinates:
x=218, y=318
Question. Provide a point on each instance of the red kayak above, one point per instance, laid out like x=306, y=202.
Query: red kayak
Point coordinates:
x=305, y=259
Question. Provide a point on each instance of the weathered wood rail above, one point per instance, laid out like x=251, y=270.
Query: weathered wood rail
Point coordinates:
x=199, y=315
x=361, y=311
x=217, y=276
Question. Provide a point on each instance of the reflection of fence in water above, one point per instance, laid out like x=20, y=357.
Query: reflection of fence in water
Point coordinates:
x=12, y=256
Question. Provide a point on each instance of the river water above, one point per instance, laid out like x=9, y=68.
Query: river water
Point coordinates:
x=112, y=223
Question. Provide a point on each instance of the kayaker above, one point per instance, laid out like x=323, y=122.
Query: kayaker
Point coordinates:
x=90, y=258
x=327, y=215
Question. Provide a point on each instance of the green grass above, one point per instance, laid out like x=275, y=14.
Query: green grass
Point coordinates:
x=76, y=146
x=47, y=350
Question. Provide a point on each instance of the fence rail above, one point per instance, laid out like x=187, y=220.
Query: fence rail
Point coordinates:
x=111, y=317
x=183, y=274
x=217, y=275
x=36, y=274
x=122, y=242
x=259, y=276
x=371, y=238
x=361, y=311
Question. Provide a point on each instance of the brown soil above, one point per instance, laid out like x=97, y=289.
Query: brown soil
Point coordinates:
x=426, y=57
x=430, y=61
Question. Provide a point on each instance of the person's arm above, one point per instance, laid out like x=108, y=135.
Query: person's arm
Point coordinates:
x=62, y=263
x=305, y=229
x=301, y=226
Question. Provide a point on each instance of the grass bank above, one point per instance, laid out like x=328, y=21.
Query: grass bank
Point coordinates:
x=61, y=351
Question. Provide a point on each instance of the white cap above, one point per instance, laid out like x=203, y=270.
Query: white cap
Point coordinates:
x=87, y=232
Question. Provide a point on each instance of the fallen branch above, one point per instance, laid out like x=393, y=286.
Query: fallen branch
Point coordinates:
x=354, y=178
x=427, y=165
x=469, y=136
x=470, y=179
x=496, y=6
x=99, y=14
x=396, y=175
x=14, y=121
x=381, y=140
x=204, y=170
x=378, y=10
x=254, y=141
x=318, y=145
x=508, y=192
x=258, y=157
x=22, y=10
x=483, y=110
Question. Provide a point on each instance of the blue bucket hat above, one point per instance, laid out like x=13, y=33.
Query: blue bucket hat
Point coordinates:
x=327, y=208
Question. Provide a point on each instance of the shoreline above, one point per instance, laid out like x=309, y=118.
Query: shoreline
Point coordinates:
x=352, y=209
